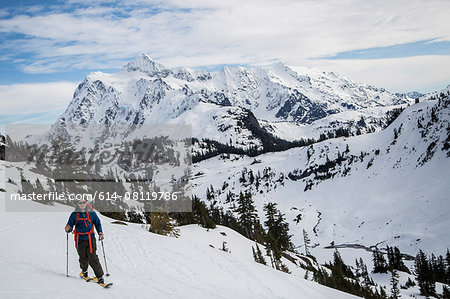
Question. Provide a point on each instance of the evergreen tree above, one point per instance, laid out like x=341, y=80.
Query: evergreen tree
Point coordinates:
x=364, y=272
x=277, y=236
x=229, y=197
x=342, y=278
x=379, y=262
x=258, y=256
x=201, y=213
x=210, y=193
x=358, y=269
x=251, y=177
x=248, y=218
x=424, y=275
x=161, y=223
x=306, y=242
x=361, y=271
x=284, y=238
x=395, y=292
x=338, y=267
x=271, y=243
x=395, y=259
x=27, y=187
x=409, y=283
x=269, y=251
x=447, y=260
x=438, y=266
x=39, y=189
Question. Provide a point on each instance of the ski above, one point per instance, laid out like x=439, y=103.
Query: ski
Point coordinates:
x=87, y=279
x=105, y=285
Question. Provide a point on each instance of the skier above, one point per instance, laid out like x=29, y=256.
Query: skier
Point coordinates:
x=84, y=219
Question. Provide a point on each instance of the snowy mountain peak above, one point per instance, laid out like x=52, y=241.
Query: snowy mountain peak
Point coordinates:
x=147, y=65
x=280, y=65
x=145, y=91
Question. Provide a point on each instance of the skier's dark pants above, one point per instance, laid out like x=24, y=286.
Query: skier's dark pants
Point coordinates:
x=89, y=259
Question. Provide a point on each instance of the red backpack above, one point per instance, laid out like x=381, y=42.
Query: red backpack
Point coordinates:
x=87, y=218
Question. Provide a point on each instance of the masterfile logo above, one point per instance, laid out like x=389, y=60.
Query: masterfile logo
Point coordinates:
x=116, y=168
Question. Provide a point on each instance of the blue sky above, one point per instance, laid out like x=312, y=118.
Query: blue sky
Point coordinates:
x=400, y=45
x=419, y=48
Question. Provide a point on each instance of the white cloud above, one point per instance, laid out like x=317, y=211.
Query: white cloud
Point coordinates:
x=262, y=29
x=38, y=98
x=420, y=73
x=204, y=32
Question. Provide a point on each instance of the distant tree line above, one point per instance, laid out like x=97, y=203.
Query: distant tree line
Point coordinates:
x=211, y=148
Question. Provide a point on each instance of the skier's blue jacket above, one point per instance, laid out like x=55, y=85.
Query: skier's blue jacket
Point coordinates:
x=84, y=226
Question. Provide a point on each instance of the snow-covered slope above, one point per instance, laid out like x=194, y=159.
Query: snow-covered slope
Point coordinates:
x=386, y=188
x=142, y=264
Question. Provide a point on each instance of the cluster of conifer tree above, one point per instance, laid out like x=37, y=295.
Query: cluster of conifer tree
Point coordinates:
x=430, y=270
x=392, y=115
x=394, y=262
x=211, y=148
x=274, y=235
x=338, y=275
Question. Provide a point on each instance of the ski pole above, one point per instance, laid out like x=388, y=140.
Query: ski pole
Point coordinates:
x=104, y=257
x=67, y=254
